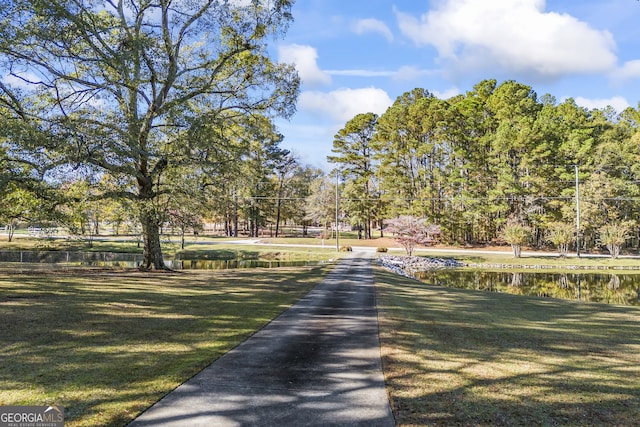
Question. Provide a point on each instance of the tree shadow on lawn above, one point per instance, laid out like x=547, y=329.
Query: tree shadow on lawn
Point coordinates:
x=108, y=346
x=460, y=357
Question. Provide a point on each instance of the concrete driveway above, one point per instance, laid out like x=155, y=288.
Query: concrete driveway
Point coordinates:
x=317, y=364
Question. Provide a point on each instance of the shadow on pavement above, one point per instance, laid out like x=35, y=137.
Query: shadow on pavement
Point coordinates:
x=316, y=364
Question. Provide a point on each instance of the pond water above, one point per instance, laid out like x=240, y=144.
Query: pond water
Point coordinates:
x=58, y=259
x=205, y=264
x=611, y=288
x=234, y=263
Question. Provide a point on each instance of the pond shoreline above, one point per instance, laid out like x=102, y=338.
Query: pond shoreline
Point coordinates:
x=408, y=266
x=600, y=284
x=550, y=267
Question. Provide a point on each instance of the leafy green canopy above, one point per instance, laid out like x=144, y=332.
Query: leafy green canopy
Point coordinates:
x=133, y=88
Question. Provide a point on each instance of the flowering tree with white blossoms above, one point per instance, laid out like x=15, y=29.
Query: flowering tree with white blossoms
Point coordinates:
x=410, y=232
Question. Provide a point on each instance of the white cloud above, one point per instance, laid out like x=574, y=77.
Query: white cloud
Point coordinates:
x=304, y=58
x=402, y=73
x=371, y=25
x=515, y=35
x=344, y=104
x=617, y=102
x=630, y=70
x=447, y=94
x=410, y=73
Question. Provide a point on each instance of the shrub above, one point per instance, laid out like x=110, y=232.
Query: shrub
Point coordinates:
x=381, y=250
x=346, y=249
x=516, y=235
x=613, y=236
x=561, y=235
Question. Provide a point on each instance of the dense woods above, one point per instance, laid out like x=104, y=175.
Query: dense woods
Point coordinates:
x=498, y=154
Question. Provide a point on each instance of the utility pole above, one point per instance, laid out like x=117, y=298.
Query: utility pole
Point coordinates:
x=577, y=213
x=337, y=211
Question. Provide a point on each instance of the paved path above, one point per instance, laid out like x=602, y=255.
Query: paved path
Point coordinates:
x=317, y=364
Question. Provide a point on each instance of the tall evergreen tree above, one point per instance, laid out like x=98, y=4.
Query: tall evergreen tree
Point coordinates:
x=354, y=157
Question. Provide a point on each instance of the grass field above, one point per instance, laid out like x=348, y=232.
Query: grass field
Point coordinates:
x=263, y=252
x=469, y=358
x=23, y=243
x=507, y=259
x=204, y=249
x=311, y=249
x=107, y=344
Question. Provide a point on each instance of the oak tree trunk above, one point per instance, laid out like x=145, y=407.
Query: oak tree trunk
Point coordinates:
x=152, y=251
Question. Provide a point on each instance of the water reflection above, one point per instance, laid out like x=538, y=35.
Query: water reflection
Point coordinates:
x=204, y=264
x=588, y=287
x=234, y=263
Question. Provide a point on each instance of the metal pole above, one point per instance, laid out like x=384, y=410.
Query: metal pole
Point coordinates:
x=577, y=213
x=337, y=232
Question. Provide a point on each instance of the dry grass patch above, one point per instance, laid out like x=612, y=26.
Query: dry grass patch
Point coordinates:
x=106, y=345
x=469, y=358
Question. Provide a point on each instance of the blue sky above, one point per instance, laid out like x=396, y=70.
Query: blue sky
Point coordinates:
x=357, y=56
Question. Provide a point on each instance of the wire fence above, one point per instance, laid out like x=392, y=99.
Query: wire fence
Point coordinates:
x=58, y=257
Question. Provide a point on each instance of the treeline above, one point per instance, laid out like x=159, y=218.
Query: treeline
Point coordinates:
x=494, y=155
x=472, y=164
x=255, y=189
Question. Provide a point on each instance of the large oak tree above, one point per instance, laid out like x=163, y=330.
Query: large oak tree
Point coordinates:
x=123, y=87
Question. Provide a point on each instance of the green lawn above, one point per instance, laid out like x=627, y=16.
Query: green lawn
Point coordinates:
x=507, y=259
x=221, y=248
x=107, y=344
x=205, y=249
x=470, y=358
x=263, y=252
x=43, y=244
